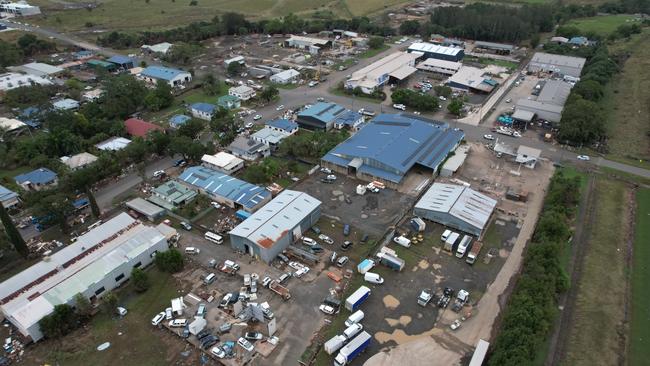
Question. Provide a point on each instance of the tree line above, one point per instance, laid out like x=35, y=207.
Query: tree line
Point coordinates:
x=531, y=310
x=27, y=45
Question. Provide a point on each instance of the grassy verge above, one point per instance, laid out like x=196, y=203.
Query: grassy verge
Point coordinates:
x=372, y=52
x=135, y=346
x=340, y=92
x=640, y=324
x=602, y=25
x=600, y=298
x=486, y=61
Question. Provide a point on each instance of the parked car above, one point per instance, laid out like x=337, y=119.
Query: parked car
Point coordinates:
x=280, y=107
x=158, y=173
x=218, y=352
x=308, y=241
x=168, y=314
x=331, y=177
x=225, y=300
x=326, y=170
x=327, y=309
x=326, y=239
x=209, y=341
x=455, y=325
x=158, y=318
x=346, y=245
x=186, y=225
x=488, y=137
x=245, y=344
x=295, y=265
x=266, y=281
x=583, y=157
x=215, y=204
x=121, y=311
x=253, y=336
x=200, y=311
x=301, y=272
x=401, y=107
x=249, y=125
x=341, y=261
x=180, y=163
x=257, y=117
x=346, y=229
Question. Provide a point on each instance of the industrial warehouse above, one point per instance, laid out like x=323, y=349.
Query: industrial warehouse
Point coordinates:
x=397, y=66
x=277, y=225
x=548, y=105
x=96, y=263
x=390, y=145
x=557, y=64
x=456, y=206
x=430, y=50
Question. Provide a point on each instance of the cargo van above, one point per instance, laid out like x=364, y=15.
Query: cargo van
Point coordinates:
x=373, y=278
x=192, y=250
x=445, y=235
x=451, y=242
x=215, y=238
x=209, y=278
x=463, y=247
x=355, y=318
x=352, y=330
x=402, y=241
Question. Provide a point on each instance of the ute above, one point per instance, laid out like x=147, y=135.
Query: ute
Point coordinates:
x=425, y=296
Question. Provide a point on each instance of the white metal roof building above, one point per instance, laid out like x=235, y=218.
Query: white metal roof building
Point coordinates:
x=527, y=156
x=146, y=208
x=398, y=65
x=78, y=161
x=12, y=80
x=456, y=206
x=277, y=225
x=439, y=66
x=557, y=64
x=37, y=68
x=222, y=162
x=113, y=144
x=471, y=78
x=11, y=124
x=19, y=8
x=97, y=262
x=285, y=77
x=548, y=111
x=430, y=50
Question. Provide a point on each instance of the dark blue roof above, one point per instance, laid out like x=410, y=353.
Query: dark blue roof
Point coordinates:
x=120, y=60
x=161, y=72
x=179, y=119
x=31, y=116
x=391, y=144
x=204, y=107
x=348, y=118
x=219, y=184
x=322, y=111
x=283, y=124
x=38, y=176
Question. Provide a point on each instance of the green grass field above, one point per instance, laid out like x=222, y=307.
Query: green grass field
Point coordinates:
x=600, y=299
x=640, y=325
x=626, y=103
x=138, y=344
x=602, y=25
x=152, y=14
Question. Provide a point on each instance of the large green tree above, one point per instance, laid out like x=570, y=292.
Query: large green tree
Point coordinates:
x=60, y=322
x=169, y=261
x=12, y=233
x=582, y=122
x=123, y=95
x=140, y=280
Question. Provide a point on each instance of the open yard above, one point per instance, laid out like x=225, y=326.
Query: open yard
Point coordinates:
x=110, y=14
x=133, y=340
x=603, y=24
x=626, y=101
x=640, y=324
x=598, y=329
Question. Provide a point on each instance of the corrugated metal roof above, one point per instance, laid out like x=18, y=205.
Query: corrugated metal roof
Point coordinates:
x=554, y=92
x=434, y=48
x=6, y=194
x=144, y=207
x=36, y=176
x=283, y=124
x=120, y=60
x=396, y=142
x=461, y=202
x=113, y=144
x=204, y=107
x=219, y=184
x=162, y=73
x=558, y=60
x=277, y=218
x=492, y=45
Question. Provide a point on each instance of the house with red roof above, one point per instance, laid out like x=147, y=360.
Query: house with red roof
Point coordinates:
x=139, y=128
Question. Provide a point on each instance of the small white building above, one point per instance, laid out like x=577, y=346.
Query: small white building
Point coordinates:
x=285, y=77
x=11, y=124
x=238, y=59
x=20, y=8
x=113, y=144
x=222, y=162
x=173, y=77
x=159, y=48
x=527, y=156
x=311, y=44
x=37, y=69
x=242, y=92
x=78, y=161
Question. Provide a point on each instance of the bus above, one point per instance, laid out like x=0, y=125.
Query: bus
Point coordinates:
x=210, y=236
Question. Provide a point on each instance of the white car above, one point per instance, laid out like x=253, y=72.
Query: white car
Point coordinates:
x=121, y=311
x=218, y=352
x=257, y=117
x=249, y=125
x=158, y=318
x=455, y=325
x=301, y=272
x=401, y=107
x=583, y=157
x=168, y=313
x=158, y=173
x=331, y=177
x=295, y=265
x=442, y=98
x=309, y=241
x=326, y=239
x=326, y=170
x=245, y=344
x=280, y=107
x=215, y=204
x=326, y=309
x=488, y=137
x=508, y=100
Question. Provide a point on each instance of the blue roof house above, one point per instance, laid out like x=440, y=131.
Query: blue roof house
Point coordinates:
x=122, y=62
x=284, y=126
x=392, y=144
x=38, y=179
x=203, y=111
x=178, y=120
x=225, y=189
x=323, y=116
x=173, y=77
x=8, y=198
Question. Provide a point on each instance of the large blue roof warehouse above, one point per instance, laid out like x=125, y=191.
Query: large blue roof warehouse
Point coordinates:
x=390, y=145
x=226, y=189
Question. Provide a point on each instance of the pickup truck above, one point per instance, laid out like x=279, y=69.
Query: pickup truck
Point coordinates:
x=447, y=294
x=276, y=287
x=425, y=297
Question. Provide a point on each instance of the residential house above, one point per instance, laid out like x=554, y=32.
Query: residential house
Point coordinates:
x=228, y=102
x=242, y=92
x=171, y=195
x=78, y=161
x=222, y=162
x=8, y=198
x=178, y=120
x=173, y=77
x=113, y=144
x=274, y=132
x=38, y=179
x=249, y=149
x=203, y=111
x=285, y=77
x=139, y=128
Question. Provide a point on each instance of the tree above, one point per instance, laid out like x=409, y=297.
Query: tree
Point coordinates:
x=589, y=90
x=211, y=85
x=9, y=54
x=32, y=45
x=182, y=53
x=234, y=68
x=92, y=202
x=582, y=121
x=29, y=95
x=534, y=40
x=376, y=42
x=269, y=93
x=51, y=207
x=83, y=306
x=455, y=107
x=60, y=322
x=123, y=95
x=419, y=101
x=140, y=280
x=169, y=261
x=409, y=27
x=159, y=98
x=192, y=128
x=109, y=302
x=12, y=233
x=442, y=90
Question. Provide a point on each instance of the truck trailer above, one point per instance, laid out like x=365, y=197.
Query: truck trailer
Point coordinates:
x=391, y=261
x=334, y=344
x=451, y=242
x=355, y=300
x=353, y=349
x=464, y=246
x=474, y=252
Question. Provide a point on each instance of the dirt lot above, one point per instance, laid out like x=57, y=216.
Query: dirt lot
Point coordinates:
x=372, y=213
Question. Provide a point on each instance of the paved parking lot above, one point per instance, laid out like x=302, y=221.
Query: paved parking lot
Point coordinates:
x=372, y=213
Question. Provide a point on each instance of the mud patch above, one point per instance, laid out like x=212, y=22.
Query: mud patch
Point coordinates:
x=436, y=266
x=391, y=302
x=403, y=320
x=423, y=264
x=504, y=253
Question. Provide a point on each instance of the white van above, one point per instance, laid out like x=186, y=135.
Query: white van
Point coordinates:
x=445, y=235
x=352, y=330
x=355, y=318
x=462, y=247
x=402, y=241
x=209, y=278
x=177, y=323
x=215, y=238
x=192, y=250
x=373, y=278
